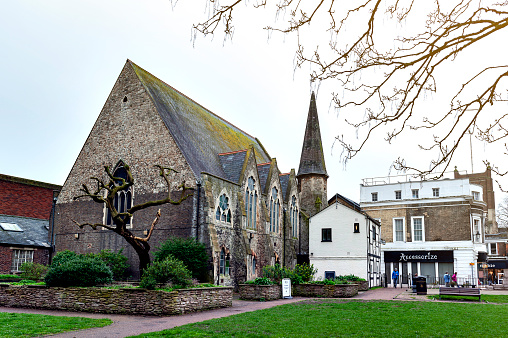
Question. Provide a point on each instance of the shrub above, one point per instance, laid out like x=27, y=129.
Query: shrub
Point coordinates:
x=301, y=273
x=117, y=262
x=191, y=253
x=305, y=271
x=261, y=281
x=80, y=271
x=170, y=270
x=33, y=271
x=62, y=257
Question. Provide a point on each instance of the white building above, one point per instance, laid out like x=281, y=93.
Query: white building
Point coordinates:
x=344, y=240
x=428, y=227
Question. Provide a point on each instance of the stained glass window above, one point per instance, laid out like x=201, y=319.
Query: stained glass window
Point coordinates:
x=223, y=212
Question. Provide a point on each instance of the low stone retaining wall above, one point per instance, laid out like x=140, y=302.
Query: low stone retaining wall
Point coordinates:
x=326, y=291
x=362, y=285
x=258, y=292
x=121, y=301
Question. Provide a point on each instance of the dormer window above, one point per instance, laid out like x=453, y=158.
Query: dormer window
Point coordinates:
x=374, y=197
x=398, y=194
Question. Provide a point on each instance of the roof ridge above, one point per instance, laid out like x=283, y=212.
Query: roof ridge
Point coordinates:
x=179, y=92
x=232, y=152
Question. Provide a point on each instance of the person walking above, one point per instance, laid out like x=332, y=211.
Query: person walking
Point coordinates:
x=454, y=279
x=446, y=278
x=395, y=277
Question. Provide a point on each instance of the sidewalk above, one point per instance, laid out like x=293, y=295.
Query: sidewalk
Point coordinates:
x=124, y=325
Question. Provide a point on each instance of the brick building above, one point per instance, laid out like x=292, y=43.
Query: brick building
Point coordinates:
x=429, y=227
x=244, y=209
x=25, y=212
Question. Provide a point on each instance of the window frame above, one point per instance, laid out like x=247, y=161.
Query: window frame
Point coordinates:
x=490, y=249
x=224, y=216
x=356, y=227
x=435, y=192
x=326, y=234
x=374, y=196
x=415, y=193
x=413, y=231
x=17, y=259
x=395, y=229
x=398, y=194
x=123, y=201
x=476, y=195
x=251, y=200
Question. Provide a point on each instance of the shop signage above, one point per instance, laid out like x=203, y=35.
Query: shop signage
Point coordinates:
x=286, y=288
x=419, y=256
x=493, y=265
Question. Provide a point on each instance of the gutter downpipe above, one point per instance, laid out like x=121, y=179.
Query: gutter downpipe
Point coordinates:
x=198, y=184
x=52, y=242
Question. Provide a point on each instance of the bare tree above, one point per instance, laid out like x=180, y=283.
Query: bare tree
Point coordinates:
x=105, y=193
x=387, y=58
x=502, y=213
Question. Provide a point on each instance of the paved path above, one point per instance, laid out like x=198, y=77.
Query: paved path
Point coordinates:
x=124, y=325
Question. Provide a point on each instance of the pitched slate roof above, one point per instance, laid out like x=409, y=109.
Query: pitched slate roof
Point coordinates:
x=34, y=234
x=232, y=164
x=346, y=201
x=312, y=160
x=263, y=170
x=284, y=181
x=200, y=134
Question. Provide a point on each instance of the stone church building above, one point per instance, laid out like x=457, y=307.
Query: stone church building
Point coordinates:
x=246, y=211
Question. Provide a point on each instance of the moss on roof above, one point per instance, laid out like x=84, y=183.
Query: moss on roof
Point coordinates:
x=200, y=134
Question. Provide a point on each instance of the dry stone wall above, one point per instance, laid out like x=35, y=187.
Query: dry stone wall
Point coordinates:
x=120, y=301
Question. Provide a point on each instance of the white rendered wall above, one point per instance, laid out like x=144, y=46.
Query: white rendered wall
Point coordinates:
x=347, y=252
x=447, y=189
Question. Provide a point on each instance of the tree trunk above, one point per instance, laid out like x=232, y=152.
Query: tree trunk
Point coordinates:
x=142, y=249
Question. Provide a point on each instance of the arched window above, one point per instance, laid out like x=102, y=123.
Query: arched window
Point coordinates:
x=274, y=210
x=251, y=199
x=123, y=199
x=293, y=216
x=224, y=262
x=223, y=212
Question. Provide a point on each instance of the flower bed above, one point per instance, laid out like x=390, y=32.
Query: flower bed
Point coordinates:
x=121, y=301
x=260, y=292
x=326, y=291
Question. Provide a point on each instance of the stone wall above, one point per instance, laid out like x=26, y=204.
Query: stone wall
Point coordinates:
x=120, y=301
x=326, y=291
x=260, y=292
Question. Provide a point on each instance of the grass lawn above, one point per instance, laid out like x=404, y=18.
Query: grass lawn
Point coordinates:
x=31, y=325
x=321, y=318
x=485, y=298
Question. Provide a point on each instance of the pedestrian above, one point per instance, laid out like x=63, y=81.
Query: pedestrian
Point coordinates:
x=446, y=278
x=395, y=277
x=454, y=279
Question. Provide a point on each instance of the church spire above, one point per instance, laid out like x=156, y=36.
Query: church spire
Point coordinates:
x=312, y=160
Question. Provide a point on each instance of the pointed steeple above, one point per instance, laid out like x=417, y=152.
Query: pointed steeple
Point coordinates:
x=312, y=160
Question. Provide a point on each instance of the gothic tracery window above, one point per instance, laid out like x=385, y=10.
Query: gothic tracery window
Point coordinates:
x=274, y=210
x=224, y=262
x=251, y=198
x=293, y=216
x=223, y=212
x=123, y=199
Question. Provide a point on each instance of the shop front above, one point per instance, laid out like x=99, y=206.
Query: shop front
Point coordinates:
x=432, y=264
x=491, y=272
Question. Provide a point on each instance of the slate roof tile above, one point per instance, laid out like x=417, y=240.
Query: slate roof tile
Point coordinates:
x=34, y=234
x=263, y=170
x=232, y=164
x=199, y=133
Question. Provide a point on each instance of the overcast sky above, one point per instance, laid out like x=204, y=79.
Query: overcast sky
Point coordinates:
x=60, y=60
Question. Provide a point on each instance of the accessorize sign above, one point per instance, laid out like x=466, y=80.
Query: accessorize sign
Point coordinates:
x=419, y=256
